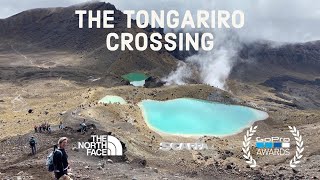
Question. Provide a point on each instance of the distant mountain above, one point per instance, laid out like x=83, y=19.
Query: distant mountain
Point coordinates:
x=57, y=29
x=264, y=59
x=291, y=71
x=289, y=55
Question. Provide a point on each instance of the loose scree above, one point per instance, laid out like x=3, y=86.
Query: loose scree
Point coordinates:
x=172, y=19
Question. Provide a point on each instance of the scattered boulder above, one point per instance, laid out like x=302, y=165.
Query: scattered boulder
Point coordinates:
x=295, y=171
x=109, y=161
x=75, y=149
x=281, y=168
x=155, y=170
x=153, y=82
x=62, y=113
x=193, y=173
x=101, y=164
x=139, y=162
x=228, y=167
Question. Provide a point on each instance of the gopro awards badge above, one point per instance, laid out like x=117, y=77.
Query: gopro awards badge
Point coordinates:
x=272, y=146
x=276, y=146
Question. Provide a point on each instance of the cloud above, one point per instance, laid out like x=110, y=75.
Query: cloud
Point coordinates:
x=284, y=21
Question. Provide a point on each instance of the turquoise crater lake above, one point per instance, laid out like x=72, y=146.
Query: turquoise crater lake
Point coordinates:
x=192, y=117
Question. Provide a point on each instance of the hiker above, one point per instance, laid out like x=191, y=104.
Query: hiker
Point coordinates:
x=43, y=127
x=39, y=128
x=49, y=128
x=60, y=160
x=83, y=126
x=61, y=125
x=35, y=128
x=33, y=143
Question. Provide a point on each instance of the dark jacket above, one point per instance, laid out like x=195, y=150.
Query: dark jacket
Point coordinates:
x=32, y=142
x=60, y=160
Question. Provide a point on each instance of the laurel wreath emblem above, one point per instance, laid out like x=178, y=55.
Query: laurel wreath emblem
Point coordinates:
x=252, y=162
x=246, y=146
x=299, y=146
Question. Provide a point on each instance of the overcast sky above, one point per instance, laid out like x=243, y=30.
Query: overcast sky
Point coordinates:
x=277, y=20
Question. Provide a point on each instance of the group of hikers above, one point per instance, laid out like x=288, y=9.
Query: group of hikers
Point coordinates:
x=44, y=127
x=57, y=161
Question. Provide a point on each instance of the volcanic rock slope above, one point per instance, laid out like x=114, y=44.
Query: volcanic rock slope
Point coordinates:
x=54, y=36
x=265, y=59
x=291, y=71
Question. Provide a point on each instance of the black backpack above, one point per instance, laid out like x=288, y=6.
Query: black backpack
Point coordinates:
x=32, y=142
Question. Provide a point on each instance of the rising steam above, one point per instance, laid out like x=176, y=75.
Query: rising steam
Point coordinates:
x=208, y=67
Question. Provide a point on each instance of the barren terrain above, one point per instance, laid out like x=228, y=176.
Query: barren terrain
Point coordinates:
x=61, y=76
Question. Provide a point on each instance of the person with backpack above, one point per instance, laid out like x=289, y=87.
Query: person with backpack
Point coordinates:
x=60, y=160
x=40, y=128
x=32, y=143
x=61, y=126
x=35, y=128
x=83, y=126
x=49, y=128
